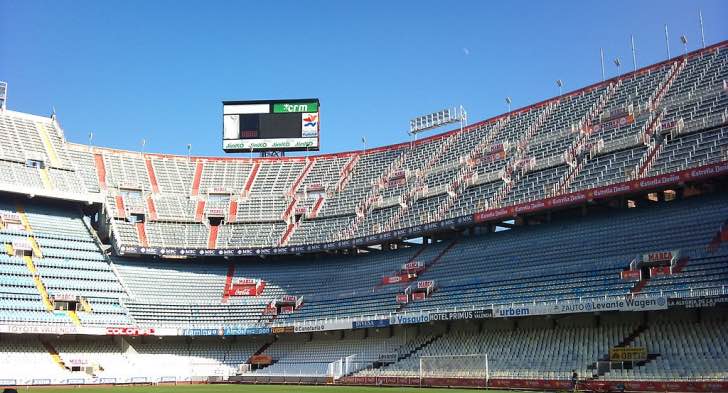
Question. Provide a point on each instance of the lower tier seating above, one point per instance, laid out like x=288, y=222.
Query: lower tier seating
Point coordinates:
x=564, y=260
x=680, y=345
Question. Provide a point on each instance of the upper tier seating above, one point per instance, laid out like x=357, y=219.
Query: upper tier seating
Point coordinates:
x=609, y=133
x=660, y=119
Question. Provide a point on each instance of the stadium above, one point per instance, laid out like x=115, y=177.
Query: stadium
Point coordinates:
x=583, y=238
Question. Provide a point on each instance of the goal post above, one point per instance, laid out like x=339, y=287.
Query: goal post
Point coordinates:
x=473, y=366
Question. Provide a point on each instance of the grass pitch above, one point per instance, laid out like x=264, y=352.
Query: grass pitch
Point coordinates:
x=241, y=389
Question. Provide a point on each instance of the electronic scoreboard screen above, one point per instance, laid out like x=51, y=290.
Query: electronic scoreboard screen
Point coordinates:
x=271, y=125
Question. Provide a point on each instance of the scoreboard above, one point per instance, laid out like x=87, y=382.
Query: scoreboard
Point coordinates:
x=270, y=125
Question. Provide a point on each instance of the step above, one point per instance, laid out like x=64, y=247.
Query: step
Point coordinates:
x=100, y=170
x=196, y=180
x=212, y=237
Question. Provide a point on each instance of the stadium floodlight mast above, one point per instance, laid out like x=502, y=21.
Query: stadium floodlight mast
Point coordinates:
x=189, y=151
x=601, y=56
x=3, y=95
x=684, y=41
x=702, y=31
x=560, y=84
x=364, y=142
x=508, y=102
x=90, y=137
x=634, y=52
x=617, y=63
x=667, y=41
x=437, y=119
x=141, y=154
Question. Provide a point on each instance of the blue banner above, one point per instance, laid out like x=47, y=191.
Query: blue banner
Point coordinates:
x=202, y=332
x=374, y=323
x=246, y=330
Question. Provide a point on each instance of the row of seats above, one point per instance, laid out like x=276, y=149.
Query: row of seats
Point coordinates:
x=677, y=349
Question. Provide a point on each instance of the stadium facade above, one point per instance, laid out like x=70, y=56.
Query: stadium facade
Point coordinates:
x=587, y=232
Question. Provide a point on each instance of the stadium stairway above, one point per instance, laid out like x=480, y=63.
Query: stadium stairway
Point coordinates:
x=290, y=228
x=251, y=178
x=197, y=178
x=265, y=346
x=233, y=209
x=120, y=208
x=632, y=336
x=420, y=347
x=626, y=341
x=200, y=210
x=302, y=176
x=45, y=178
x=720, y=236
x=85, y=305
x=28, y=259
x=212, y=236
x=151, y=208
x=639, y=285
x=54, y=354
x=152, y=175
x=414, y=258
x=100, y=170
x=45, y=138
x=344, y=177
x=38, y=283
x=681, y=264
x=228, y=282
x=74, y=317
x=427, y=266
x=439, y=256
x=142, y=234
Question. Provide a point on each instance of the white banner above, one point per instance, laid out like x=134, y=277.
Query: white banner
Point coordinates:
x=231, y=126
x=57, y=330
x=278, y=143
x=321, y=326
x=245, y=108
x=596, y=305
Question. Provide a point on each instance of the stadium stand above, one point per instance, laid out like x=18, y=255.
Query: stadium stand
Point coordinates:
x=589, y=268
x=124, y=267
x=628, y=128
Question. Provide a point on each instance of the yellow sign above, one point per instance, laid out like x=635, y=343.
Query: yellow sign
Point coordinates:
x=627, y=354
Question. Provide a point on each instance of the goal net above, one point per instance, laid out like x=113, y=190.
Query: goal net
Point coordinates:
x=455, y=366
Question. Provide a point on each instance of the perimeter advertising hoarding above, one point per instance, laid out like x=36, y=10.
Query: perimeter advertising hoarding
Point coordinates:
x=372, y=323
x=271, y=125
x=465, y=314
x=658, y=303
x=597, y=305
x=308, y=327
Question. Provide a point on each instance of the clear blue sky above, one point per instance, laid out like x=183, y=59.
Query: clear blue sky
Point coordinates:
x=128, y=70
